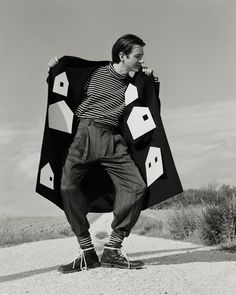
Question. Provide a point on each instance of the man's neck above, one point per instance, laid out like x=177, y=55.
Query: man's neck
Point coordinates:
x=120, y=69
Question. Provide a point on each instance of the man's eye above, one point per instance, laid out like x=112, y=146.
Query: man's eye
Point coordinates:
x=138, y=56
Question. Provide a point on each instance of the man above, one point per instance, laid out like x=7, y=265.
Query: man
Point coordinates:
x=98, y=140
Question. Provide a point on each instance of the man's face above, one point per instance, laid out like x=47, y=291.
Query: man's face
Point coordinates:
x=134, y=59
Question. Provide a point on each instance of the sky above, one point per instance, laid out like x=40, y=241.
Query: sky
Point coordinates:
x=190, y=44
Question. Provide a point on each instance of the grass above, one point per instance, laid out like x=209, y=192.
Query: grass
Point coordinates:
x=17, y=230
x=207, y=216
x=153, y=223
x=203, y=216
x=202, y=224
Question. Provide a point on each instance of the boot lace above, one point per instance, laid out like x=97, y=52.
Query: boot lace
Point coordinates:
x=83, y=262
x=122, y=253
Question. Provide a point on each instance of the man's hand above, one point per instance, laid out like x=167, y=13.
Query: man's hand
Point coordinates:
x=52, y=62
x=149, y=72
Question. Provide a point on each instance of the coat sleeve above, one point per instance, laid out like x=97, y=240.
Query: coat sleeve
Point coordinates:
x=157, y=89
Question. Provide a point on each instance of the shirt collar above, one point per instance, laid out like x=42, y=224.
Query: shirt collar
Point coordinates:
x=114, y=74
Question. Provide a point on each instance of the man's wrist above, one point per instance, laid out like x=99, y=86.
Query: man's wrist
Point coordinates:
x=156, y=79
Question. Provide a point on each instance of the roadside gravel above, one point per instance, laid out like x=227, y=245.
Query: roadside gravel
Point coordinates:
x=171, y=267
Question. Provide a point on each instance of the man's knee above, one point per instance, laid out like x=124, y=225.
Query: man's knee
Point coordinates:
x=67, y=190
x=141, y=187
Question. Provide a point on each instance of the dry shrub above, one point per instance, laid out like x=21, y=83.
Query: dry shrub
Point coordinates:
x=212, y=224
x=218, y=224
x=182, y=223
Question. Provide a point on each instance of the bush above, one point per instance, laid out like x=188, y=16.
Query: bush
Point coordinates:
x=218, y=224
x=211, y=224
x=183, y=222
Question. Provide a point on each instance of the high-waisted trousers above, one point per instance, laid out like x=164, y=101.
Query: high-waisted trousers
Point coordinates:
x=97, y=142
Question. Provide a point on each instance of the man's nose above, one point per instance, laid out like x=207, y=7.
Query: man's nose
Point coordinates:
x=141, y=61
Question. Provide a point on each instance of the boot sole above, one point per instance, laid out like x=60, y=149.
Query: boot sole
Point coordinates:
x=113, y=265
x=78, y=269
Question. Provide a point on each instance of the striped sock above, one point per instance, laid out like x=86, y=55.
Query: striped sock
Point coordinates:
x=85, y=242
x=115, y=239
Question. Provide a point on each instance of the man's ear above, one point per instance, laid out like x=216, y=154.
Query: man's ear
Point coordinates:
x=121, y=56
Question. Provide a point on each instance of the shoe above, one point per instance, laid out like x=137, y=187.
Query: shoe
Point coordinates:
x=113, y=256
x=87, y=259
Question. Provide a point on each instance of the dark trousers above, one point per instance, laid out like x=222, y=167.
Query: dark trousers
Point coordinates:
x=97, y=142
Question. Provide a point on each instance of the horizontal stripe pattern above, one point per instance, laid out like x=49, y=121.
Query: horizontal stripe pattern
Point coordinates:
x=104, y=96
x=85, y=242
x=114, y=240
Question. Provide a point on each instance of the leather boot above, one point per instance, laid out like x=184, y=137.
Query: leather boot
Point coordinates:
x=113, y=256
x=87, y=259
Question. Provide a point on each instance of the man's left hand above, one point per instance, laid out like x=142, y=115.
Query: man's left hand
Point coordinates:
x=149, y=72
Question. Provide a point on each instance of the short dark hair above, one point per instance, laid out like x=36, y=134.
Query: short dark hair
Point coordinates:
x=125, y=44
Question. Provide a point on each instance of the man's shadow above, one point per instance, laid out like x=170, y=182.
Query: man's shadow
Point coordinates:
x=191, y=255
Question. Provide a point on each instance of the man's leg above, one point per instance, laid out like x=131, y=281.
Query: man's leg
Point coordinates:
x=75, y=202
x=130, y=192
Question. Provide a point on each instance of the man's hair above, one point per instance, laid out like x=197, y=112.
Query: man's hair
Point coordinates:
x=125, y=44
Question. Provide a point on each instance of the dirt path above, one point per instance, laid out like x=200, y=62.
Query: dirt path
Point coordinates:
x=172, y=267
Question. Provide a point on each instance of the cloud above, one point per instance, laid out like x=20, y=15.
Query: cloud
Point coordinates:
x=28, y=165
x=203, y=118
x=203, y=141
x=20, y=150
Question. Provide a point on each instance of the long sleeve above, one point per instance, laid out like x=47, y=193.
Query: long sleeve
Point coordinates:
x=157, y=88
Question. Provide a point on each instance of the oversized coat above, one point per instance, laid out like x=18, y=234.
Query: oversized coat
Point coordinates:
x=140, y=125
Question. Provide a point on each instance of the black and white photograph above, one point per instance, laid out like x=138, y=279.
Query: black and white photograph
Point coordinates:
x=117, y=140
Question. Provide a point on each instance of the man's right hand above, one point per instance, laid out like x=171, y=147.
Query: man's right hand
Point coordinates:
x=52, y=62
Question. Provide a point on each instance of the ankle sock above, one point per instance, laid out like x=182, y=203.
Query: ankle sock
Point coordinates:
x=115, y=239
x=85, y=242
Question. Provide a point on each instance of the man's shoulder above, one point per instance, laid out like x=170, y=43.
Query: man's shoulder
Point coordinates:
x=81, y=62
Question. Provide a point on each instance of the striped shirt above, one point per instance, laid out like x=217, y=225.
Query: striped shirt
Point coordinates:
x=104, y=99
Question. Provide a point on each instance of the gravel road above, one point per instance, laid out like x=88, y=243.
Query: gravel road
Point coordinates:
x=171, y=267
